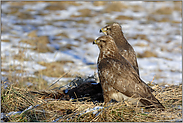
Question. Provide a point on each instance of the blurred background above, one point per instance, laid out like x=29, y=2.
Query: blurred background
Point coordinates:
x=41, y=41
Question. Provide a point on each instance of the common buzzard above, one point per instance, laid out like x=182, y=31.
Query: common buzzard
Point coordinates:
x=126, y=50
x=118, y=78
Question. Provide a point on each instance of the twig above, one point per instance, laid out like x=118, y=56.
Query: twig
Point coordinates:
x=59, y=79
x=153, y=79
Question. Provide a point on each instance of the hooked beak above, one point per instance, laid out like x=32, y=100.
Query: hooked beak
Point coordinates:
x=95, y=42
x=104, y=31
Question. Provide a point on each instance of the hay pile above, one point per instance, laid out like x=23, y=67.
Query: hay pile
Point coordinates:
x=20, y=105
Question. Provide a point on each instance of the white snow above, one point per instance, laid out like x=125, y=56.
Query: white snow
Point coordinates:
x=167, y=66
x=94, y=110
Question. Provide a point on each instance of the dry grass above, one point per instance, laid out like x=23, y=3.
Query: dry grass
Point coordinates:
x=32, y=108
x=115, y=7
x=146, y=54
x=53, y=69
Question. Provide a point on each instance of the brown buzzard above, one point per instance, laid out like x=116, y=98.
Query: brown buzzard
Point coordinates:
x=126, y=50
x=118, y=78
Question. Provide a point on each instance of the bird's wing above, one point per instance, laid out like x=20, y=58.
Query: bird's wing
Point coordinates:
x=129, y=54
x=121, y=76
x=133, y=63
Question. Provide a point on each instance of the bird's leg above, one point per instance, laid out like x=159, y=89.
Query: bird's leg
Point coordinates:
x=106, y=99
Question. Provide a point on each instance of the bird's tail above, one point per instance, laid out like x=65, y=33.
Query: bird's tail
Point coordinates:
x=151, y=102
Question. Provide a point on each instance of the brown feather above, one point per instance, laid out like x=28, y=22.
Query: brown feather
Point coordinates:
x=118, y=78
x=125, y=49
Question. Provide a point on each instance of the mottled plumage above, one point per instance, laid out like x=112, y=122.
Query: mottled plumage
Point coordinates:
x=126, y=50
x=118, y=78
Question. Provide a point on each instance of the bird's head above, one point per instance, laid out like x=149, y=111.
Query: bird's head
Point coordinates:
x=111, y=29
x=104, y=42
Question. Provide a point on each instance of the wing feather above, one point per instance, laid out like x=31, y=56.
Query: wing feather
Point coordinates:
x=122, y=77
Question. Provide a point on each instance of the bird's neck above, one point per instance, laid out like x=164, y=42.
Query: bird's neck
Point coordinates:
x=120, y=40
x=119, y=36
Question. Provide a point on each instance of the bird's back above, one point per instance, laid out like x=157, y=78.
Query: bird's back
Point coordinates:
x=127, y=51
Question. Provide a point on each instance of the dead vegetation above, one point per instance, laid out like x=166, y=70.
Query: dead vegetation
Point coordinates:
x=20, y=105
x=115, y=7
x=146, y=54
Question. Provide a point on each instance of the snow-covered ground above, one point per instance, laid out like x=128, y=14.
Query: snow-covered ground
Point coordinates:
x=162, y=38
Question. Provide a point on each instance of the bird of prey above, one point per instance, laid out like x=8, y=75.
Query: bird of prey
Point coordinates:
x=118, y=78
x=125, y=49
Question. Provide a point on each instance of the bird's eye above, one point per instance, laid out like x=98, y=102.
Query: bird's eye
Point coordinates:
x=108, y=28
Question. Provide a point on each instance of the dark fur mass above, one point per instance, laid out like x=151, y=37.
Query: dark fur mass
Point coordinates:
x=118, y=78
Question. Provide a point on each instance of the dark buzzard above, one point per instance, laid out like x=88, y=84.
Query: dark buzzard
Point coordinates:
x=126, y=50
x=118, y=78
